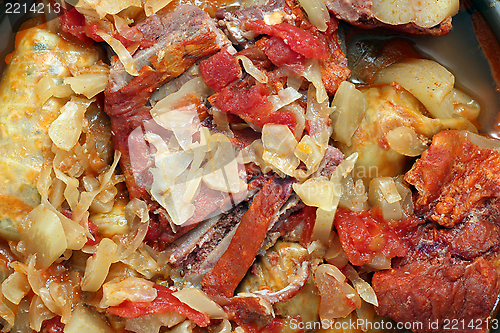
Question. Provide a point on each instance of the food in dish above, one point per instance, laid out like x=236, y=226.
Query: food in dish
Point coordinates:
x=222, y=173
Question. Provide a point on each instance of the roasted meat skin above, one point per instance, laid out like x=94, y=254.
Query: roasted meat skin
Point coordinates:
x=437, y=291
x=245, y=244
x=449, y=272
x=456, y=178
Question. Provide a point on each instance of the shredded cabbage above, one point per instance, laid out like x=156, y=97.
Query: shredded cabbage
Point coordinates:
x=349, y=109
x=66, y=129
x=152, y=6
x=338, y=298
x=317, y=13
x=97, y=267
x=324, y=217
x=133, y=289
x=312, y=73
x=123, y=54
x=250, y=68
x=279, y=145
x=198, y=300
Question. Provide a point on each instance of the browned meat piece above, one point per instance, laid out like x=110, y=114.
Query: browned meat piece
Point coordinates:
x=450, y=272
x=197, y=251
x=456, y=178
x=433, y=293
x=333, y=157
x=172, y=44
x=360, y=13
x=231, y=268
x=232, y=21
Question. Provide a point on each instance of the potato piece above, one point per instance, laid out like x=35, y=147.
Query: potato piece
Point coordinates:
x=429, y=13
x=44, y=236
x=425, y=79
x=426, y=14
x=350, y=106
x=85, y=320
x=393, y=11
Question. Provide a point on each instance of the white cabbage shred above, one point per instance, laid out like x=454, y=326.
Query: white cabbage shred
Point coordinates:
x=190, y=158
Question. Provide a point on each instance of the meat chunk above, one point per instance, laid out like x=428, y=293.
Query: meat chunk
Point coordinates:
x=403, y=16
x=432, y=293
x=450, y=271
x=181, y=38
x=245, y=244
x=456, y=178
x=197, y=252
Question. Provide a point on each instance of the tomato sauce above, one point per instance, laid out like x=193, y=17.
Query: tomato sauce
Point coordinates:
x=364, y=234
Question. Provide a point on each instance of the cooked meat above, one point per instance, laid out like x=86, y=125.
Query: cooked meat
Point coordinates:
x=232, y=21
x=212, y=244
x=437, y=291
x=246, y=242
x=456, y=178
x=450, y=271
x=180, y=39
x=361, y=13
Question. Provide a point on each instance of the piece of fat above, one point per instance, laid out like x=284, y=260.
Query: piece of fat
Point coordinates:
x=25, y=118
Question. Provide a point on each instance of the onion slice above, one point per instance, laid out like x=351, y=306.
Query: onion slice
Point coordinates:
x=199, y=301
x=317, y=13
x=363, y=288
x=250, y=68
x=126, y=59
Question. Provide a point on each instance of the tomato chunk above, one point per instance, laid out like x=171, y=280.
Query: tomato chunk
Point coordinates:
x=220, y=70
x=231, y=268
x=252, y=105
x=364, y=234
x=73, y=23
x=163, y=303
x=299, y=40
x=281, y=54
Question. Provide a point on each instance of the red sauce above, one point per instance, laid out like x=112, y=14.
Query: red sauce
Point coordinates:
x=364, y=234
x=163, y=303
